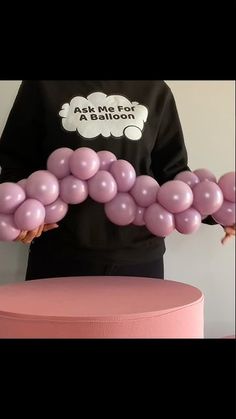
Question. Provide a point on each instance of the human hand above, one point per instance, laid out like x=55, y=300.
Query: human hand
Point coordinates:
x=27, y=237
x=229, y=233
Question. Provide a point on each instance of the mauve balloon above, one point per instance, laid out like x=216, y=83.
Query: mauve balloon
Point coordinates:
x=207, y=197
x=73, y=190
x=188, y=222
x=102, y=187
x=226, y=214
x=188, y=177
x=145, y=191
x=42, y=186
x=55, y=211
x=159, y=221
x=139, y=217
x=58, y=162
x=175, y=196
x=84, y=163
x=227, y=185
x=205, y=174
x=11, y=196
x=22, y=183
x=106, y=158
x=8, y=229
x=124, y=175
x=121, y=210
x=30, y=215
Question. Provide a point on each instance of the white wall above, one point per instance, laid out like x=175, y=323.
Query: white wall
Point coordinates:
x=207, y=113
x=206, y=110
x=13, y=256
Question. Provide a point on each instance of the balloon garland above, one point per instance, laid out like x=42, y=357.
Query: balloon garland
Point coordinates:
x=72, y=176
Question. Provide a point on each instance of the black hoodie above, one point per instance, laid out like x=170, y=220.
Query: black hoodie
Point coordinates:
x=137, y=120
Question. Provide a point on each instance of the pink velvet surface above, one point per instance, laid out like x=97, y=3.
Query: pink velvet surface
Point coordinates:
x=101, y=307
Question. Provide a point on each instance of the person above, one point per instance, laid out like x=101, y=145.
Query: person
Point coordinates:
x=138, y=121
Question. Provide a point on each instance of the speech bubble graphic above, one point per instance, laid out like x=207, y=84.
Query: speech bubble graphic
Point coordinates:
x=99, y=114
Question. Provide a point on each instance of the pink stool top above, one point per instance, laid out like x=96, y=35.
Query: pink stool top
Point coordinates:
x=95, y=298
x=229, y=337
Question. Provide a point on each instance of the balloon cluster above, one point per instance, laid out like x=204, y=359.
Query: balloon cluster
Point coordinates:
x=72, y=176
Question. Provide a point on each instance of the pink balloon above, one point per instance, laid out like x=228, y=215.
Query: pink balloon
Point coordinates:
x=106, y=158
x=8, y=229
x=175, y=196
x=227, y=185
x=205, y=174
x=226, y=214
x=159, y=221
x=42, y=186
x=139, y=217
x=11, y=196
x=124, y=175
x=188, y=177
x=145, y=191
x=30, y=215
x=22, y=183
x=58, y=162
x=55, y=211
x=84, y=163
x=121, y=210
x=188, y=222
x=102, y=187
x=208, y=197
x=73, y=190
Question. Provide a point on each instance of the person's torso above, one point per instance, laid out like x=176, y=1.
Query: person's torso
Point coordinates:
x=119, y=116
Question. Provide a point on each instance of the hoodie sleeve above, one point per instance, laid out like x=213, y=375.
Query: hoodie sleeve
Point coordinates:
x=169, y=156
x=20, y=143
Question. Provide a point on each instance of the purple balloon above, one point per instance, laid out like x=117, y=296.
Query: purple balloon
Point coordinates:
x=73, y=190
x=58, y=162
x=106, y=158
x=11, y=196
x=55, y=211
x=30, y=215
x=175, y=196
x=226, y=214
x=139, y=217
x=8, y=229
x=145, y=191
x=84, y=163
x=121, y=210
x=159, y=221
x=227, y=185
x=42, y=186
x=205, y=174
x=124, y=175
x=102, y=187
x=188, y=222
x=188, y=177
x=22, y=183
x=208, y=197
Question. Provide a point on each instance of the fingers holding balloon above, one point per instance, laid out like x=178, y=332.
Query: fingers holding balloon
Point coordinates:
x=48, y=227
x=31, y=235
x=21, y=236
x=27, y=237
x=229, y=234
x=40, y=230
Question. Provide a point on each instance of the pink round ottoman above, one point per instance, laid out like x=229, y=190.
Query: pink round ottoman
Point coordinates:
x=101, y=307
x=229, y=337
